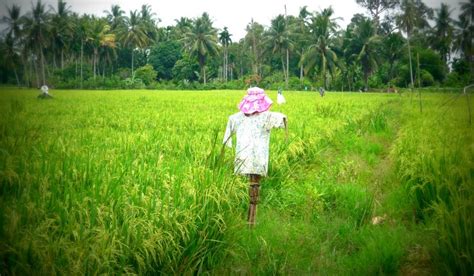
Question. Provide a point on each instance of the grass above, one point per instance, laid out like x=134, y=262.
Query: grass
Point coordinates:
x=137, y=182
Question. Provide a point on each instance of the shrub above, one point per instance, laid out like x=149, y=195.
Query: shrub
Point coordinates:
x=146, y=73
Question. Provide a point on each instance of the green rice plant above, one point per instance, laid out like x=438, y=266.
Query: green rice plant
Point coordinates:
x=137, y=182
x=380, y=251
x=434, y=162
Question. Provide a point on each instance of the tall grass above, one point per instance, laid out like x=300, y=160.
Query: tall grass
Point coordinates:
x=137, y=182
x=434, y=156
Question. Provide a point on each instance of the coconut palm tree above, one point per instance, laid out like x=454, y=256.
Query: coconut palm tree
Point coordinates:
x=225, y=40
x=201, y=42
x=36, y=28
x=183, y=25
x=253, y=40
x=133, y=34
x=467, y=10
x=443, y=32
x=300, y=32
x=464, y=37
x=321, y=53
x=377, y=8
x=149, y=22
x=13, y=21
x=61, y=30
x=278, y=39
x=99, y=37
x=413, y=16
x=366, y=47
x=115, y=17
x=13, y=37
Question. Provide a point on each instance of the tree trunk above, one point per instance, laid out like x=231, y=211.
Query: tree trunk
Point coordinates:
x=62, y=58
x=133, y=75
x=223, y=67
x=366, y=81
x=324, y=73
x=35, y=64
x=287, y=76
x=301, y=68
x=82, y=56
x=16, y=77
x=419, y=81
x=94, y=62
x=409, y=59
x=26, y=73
x=283, y=70
x=43, y=75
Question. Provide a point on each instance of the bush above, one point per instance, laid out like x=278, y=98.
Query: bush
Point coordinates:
x=146, y=73
x=426, y=78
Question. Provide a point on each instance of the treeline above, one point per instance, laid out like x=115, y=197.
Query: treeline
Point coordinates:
x=400, y=44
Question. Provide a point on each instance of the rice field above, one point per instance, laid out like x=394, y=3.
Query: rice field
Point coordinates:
x=137, y=182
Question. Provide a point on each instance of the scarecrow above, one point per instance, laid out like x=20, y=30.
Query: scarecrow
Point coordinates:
x=252, y=126
x=44, y=93
x=280, y=98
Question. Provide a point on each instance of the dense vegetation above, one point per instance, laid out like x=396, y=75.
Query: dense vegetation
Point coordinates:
x=124, y=182
x=401, y=43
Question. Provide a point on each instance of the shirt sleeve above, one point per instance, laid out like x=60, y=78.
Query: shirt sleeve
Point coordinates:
x=228, y=133
x=276, y=120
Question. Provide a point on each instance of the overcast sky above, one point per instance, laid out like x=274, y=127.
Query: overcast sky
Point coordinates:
x=234, y=14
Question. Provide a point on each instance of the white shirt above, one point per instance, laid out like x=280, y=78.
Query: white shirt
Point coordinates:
x=253, y=139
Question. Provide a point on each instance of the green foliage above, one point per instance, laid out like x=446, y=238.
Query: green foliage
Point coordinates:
x=163, y=57
x=435, y=167
x=186, y=69
x=146, y=73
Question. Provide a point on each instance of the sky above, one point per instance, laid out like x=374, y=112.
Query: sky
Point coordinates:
x=234, y=14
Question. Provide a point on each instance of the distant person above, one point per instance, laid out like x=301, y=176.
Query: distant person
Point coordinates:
x=280, y=98
x=322, y=91
x=44, y=92
x=252, y=126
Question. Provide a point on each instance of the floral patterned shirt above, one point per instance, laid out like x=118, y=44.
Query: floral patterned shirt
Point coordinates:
x=253, y=139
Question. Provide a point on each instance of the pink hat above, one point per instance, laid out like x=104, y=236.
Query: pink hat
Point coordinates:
x=255, y=101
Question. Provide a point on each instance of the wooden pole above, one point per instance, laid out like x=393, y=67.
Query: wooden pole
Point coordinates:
x=254, y=190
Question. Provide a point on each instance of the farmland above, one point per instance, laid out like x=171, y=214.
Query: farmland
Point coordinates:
x=137, y=182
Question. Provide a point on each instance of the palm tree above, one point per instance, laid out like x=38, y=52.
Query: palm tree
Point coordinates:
x=464, y=37
x=183, y=25
x=376, y=8
x=37, y=24
x=81, y=34
x=300, y=32
x=253, y=40
x=13, y=37
x=61, y=31
x=225, y=40
x=133, y=34
x=392, y=51
x=99, y=37
x=149, y=22
x=201, y=41
x=321, y=53
x=443, y=32
x=413, y=16
x=467, y=11
x=279, y=41
x=13, y=21
x=115, y=17
x=366, y=45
